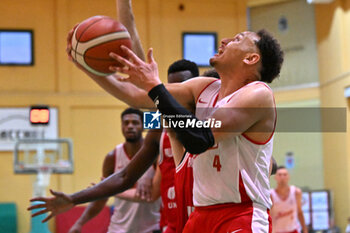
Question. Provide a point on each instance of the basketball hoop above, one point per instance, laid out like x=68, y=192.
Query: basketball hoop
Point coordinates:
x=42, y=157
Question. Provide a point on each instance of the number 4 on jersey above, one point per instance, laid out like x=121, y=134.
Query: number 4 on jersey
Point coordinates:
x=216, y=163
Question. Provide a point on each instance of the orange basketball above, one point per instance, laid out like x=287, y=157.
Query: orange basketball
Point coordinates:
x=94, y=39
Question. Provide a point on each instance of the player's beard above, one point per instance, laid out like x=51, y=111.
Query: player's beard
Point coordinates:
x=212, y=62
x=134, y=139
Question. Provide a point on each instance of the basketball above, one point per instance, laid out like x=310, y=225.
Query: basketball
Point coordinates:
x=93, y=40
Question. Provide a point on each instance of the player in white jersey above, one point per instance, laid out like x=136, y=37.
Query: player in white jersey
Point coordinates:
x=231, y=169
x=248, y=118
x=130, y=214
x=286, y=209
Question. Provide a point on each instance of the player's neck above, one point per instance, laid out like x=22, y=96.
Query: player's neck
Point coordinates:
x=283, y=188
x=131, y=148
x=230, y=85
x=232, y=80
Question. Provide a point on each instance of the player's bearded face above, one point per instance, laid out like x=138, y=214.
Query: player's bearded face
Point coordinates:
x=228, y=49
x=233, y=50
x=132, y=127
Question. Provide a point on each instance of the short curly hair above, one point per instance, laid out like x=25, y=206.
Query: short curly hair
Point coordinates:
x=132, y=111
x=183, y=65
x=271, y=56
x=211, y=73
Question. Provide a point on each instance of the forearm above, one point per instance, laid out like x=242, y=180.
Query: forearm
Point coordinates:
x=130, y=195
x=124, y=91
x=176, y=147
x=195, y=140
x=108, y=187
x=126, y=17
x=156, y=186
x=302, y=220
x=92, y=210
x=119, y=182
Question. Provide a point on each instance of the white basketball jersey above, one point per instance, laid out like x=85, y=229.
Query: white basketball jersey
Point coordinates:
x=236, y=169
x=128, y=216
x=284, y=215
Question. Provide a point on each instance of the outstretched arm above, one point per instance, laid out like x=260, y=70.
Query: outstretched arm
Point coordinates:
x=147, y=187
x=130, y=94
x=94, y=208
x=125, y=92
x=131, y=194
x=251, y=112
x=116, y=183
x=126, y=17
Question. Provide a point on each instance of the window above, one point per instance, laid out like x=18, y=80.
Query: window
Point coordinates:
x=199, y=47
x=16, y=47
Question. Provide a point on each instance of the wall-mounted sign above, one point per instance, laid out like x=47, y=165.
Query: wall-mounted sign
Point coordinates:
x=15, y=124
x=289, y=160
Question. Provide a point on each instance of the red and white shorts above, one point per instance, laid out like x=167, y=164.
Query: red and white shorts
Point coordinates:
x=229, y=218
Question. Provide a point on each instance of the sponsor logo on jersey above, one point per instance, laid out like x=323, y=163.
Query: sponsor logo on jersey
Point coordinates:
x=171, y=196
x=171, y=193
x=201, y=101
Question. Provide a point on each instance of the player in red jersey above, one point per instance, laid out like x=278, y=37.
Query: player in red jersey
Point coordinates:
x=183, y=189
x=167, y=169
x=183, y=182
x=179, y=71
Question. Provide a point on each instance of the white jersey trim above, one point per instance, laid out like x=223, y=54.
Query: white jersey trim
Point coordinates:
x=183, y=162
x=260, y=219
x=161, y=143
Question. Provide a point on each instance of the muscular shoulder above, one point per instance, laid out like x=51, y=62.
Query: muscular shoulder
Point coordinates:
x=298, y=191
x=251, y=111
x=198, y=84
x=256, y=95
x=187, y=92
x=111, y=155
x=109, y=163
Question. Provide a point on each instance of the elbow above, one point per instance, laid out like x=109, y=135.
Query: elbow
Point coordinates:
x=128, y=182
x=197, y=145
x=119, y=182
x=197, y=149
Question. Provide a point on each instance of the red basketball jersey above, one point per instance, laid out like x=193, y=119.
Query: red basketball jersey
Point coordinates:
x=167, y=189
x=183, y=190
